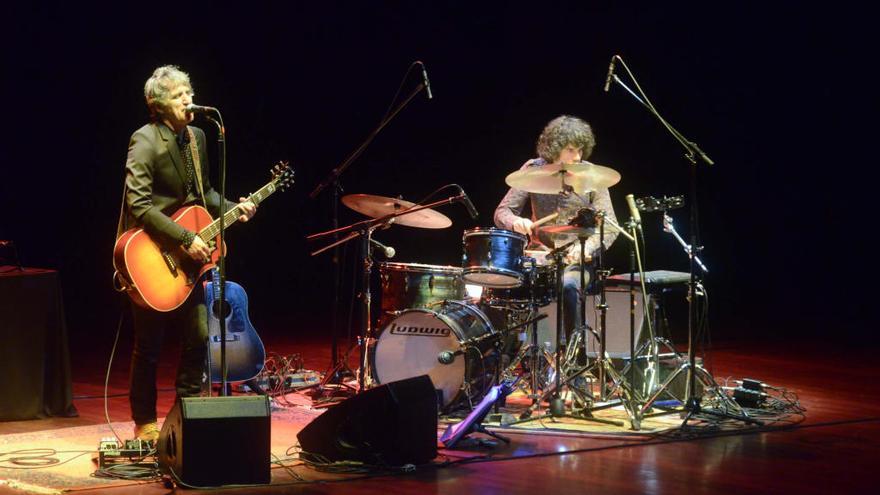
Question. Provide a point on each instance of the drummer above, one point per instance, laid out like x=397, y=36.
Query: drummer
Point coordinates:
x=564, y=141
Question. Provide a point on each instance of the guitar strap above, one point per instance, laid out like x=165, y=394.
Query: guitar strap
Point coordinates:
x=197, y=164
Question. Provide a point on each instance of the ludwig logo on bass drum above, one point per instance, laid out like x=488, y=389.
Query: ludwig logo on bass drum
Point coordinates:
x=420, y=331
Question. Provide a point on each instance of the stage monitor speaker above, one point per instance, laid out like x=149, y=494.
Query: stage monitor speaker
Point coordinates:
x=392, y=424
x=216, y=441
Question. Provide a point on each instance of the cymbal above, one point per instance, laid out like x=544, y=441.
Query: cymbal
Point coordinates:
x=548, y=179
x=380, y=206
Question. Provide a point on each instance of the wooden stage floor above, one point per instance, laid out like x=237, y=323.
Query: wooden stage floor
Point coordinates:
x=835, y=450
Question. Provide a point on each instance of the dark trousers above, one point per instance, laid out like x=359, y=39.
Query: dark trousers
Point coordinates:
x=571, y=288
x=190, y=323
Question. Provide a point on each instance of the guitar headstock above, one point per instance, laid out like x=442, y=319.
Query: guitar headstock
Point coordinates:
x=282, y=175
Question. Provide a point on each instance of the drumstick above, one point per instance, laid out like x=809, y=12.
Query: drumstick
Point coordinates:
x=538, y=223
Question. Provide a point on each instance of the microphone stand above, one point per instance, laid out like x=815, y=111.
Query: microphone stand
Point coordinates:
x=338, y=368
x=692, y=152
x=221, y=260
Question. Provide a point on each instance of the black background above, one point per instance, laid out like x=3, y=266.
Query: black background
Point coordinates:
x=776, y=95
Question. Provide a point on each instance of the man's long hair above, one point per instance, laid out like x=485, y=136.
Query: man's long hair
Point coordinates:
x=563, y=131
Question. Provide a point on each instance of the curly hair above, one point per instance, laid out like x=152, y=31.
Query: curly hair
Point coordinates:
x=158, y=87
x=561, y=132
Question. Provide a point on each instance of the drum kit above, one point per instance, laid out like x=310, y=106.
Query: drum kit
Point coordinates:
x=471, y=327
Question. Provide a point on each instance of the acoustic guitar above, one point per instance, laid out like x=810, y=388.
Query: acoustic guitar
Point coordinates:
x=161, y=279
x=245, y=353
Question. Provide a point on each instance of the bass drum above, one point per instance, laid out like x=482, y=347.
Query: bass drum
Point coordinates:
x=410, y=344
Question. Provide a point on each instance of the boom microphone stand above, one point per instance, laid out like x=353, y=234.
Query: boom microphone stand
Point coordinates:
x=340, y=368
x=692, y=152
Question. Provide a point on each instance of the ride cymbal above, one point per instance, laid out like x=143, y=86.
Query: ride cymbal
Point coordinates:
x=380, y=206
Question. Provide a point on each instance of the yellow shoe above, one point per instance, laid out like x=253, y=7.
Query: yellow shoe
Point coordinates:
x=148, y=432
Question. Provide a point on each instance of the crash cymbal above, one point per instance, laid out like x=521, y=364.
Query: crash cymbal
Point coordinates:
x=549, y=179
x=380, y=206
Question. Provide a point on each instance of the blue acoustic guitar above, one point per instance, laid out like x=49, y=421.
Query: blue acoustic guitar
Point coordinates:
x=245, y=353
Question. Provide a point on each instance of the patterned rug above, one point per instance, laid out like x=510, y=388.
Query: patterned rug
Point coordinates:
x=61, y=460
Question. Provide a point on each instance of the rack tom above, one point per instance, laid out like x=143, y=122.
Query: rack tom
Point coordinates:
x=493, y=257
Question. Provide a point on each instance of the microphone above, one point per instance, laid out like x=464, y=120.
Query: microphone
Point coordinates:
x=633, y=211
x=425, y=79
x=610, y=73
x=388, y=251
x=468, y=204
x=447, y=357
x=191, y=108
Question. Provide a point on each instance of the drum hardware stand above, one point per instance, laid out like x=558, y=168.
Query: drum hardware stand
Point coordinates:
x=602, y=367
x=340, y=368
x=557, y=403
x=633, y=226
x=534, y=352
x=692, y=153
x=692, y=404
x=587, y=219
x=364, y=229
x=532, y=349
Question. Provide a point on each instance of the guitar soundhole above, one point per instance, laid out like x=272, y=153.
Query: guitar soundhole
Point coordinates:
x=216, y=310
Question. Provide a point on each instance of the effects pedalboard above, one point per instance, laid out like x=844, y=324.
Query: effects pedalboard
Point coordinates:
x=111, y=453
x=292, y=382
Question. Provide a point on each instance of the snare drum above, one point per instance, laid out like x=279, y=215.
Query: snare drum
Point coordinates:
x=414, y=285
x=410, y=344
x=493, y=257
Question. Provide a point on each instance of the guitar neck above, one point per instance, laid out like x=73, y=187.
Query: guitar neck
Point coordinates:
x=231, y=216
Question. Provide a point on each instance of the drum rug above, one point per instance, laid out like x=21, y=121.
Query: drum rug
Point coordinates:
x=517, y=417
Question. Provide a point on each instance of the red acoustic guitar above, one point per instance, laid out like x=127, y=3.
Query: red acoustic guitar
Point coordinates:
x=162, y=280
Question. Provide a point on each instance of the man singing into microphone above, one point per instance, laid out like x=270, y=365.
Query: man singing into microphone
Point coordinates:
x=167, y=168
x=564, y=141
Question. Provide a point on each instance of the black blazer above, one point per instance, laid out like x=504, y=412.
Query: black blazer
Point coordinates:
x=155, y=176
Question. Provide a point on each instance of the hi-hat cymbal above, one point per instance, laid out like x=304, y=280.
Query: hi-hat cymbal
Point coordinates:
x=549, y=179
x=380, y=206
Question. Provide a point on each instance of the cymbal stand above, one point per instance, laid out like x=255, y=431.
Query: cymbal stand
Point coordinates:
x=364, y=229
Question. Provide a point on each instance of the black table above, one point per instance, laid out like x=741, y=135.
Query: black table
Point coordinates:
x=34, y=356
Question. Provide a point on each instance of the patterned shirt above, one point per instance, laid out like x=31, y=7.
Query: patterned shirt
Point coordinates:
x=511, y=207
